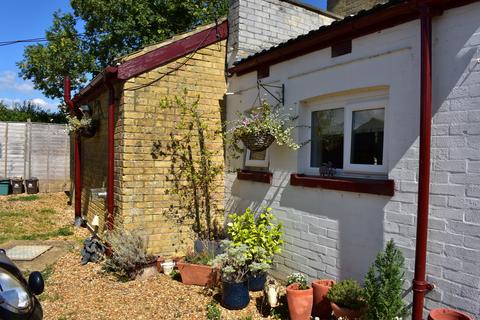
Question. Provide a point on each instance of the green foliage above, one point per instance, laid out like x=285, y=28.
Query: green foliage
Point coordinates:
x=112, y=29
x=259, y=232
x=204, y=257
x=384, y=285
x=193, y=173
x=298, y=278
x=213, y=311
x=21, y=112
x=129, y=253
x=347, y=294
x=63, y=54
x=261, y=120
x=24, y=198
x=233, y=262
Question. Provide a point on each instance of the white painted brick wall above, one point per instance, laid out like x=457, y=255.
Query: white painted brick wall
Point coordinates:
x=260, y=24
x=332, y=234
x=453, y=262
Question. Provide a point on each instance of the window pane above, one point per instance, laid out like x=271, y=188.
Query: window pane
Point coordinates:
x=367, y=137
x=258, y=155
x=327, y=138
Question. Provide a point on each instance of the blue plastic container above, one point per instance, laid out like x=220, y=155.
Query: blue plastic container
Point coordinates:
x=235, y=295
x=256, y=282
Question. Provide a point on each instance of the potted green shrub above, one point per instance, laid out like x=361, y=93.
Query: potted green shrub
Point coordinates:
x=347, y=299
x=195, y=269
x=234, y=268
x=299, y=297
x=262, y=236
x=259, y=128
x=384, y=285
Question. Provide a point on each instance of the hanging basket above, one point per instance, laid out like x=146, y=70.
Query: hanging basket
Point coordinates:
x=257, y=142
x=87, y=132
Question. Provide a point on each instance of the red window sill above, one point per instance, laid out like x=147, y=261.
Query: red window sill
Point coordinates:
x=257, y=176
x=381, y=187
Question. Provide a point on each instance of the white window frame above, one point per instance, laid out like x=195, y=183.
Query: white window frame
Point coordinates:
x=349, y=105
x=256, y=163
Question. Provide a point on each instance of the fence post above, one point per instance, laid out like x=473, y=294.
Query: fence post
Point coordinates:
x=6, y=149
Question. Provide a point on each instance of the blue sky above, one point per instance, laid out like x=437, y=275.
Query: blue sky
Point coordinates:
x=26, y=19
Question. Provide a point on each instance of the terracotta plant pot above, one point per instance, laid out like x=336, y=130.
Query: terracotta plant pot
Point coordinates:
x=321, y=305
x=345, y=313
x=197, y=274
x=300, y=302
x=447, y=314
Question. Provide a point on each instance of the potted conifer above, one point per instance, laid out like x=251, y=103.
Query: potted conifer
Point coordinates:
x=384, y=285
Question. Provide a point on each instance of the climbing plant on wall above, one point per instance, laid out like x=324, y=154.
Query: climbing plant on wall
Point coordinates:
x=193, y=173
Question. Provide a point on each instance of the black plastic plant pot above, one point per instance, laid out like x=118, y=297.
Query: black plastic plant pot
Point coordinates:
x=256, y=282
x=235, y=295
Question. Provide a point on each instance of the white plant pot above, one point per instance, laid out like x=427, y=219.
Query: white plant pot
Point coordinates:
x=168, y=266
x=272, y=295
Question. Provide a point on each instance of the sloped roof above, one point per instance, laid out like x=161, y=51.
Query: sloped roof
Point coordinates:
x=156, y=55
x=379, y=17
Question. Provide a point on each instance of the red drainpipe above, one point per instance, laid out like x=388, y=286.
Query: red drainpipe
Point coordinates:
x=77, y=157
x=420, y=285
x=110, y=154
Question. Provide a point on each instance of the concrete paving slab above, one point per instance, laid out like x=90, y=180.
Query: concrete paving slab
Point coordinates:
x=26, y=253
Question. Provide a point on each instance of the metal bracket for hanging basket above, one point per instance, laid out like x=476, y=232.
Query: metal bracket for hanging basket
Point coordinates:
x=265, y=86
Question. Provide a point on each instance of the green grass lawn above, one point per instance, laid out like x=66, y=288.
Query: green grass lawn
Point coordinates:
x=30, y=218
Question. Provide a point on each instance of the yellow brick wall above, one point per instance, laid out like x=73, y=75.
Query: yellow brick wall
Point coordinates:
x=141, y=197
x=94, y=157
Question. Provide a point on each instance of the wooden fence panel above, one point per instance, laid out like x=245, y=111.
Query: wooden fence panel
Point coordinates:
x=40, y=150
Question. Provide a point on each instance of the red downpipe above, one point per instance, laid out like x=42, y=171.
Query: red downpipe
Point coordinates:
x=76, y=150
x=420, y=285
x=110, y=155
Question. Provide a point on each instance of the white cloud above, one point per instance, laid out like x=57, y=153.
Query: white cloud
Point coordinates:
x=9, y=81
x=45, y=105
x=9, y=102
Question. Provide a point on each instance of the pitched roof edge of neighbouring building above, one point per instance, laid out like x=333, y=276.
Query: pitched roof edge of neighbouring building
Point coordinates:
x=379, y=17
x=162, y=53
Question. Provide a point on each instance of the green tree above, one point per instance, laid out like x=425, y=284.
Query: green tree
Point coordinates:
x=64, y=54
x=21, y=112
x=112, y=28
x=384, y=285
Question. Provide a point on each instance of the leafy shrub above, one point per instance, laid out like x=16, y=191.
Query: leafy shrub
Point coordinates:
x=347, y=294
x=259, y=232
x=213, y=312
x=233, y=262
x=384, y=283
x=129, y=253
x=298, y=278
